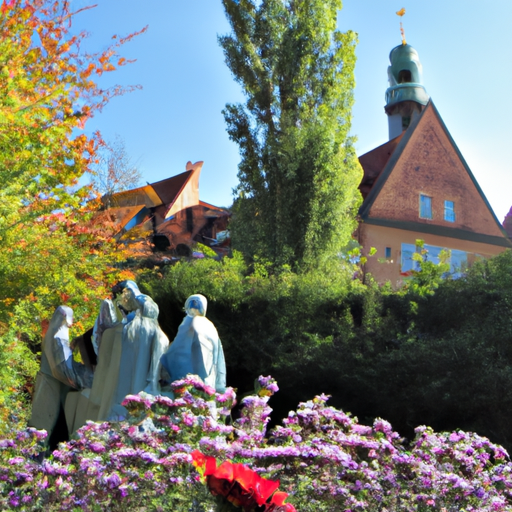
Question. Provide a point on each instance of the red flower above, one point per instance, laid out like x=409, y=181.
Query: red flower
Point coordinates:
x=264, y=489
x=277, y=503
x=204, y=464
x=222, y=480
x=240, y=485
x=245, y=476
x=226, y=471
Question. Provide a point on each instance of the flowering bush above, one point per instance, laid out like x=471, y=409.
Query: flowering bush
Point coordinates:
x=323, y=458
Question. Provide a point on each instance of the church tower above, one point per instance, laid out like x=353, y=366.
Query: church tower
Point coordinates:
x=406, y=96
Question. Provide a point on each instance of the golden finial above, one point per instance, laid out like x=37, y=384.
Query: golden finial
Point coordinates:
x=400, y=13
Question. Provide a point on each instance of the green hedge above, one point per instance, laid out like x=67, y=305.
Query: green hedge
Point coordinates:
x=436, y=353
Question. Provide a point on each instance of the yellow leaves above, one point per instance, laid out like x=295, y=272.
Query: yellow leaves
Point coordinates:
x=48, y=87
x=401, y=12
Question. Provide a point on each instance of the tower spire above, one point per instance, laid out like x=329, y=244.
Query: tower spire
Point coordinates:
x=400, y=13
x=406, y=96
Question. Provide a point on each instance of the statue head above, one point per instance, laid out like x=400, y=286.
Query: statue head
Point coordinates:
x=60, y=323
x=63, y=316
x=128, y=300
x=118, y=288
x=148, y=307
x=196, y=305
x=125, y=292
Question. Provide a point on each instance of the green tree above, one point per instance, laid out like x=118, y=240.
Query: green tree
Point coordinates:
x=297, y=194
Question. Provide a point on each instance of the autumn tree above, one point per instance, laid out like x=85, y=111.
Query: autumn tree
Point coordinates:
x=297, y=194
x=48, y=91
x=114, y=170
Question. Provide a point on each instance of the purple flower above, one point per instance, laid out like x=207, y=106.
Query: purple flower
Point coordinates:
x=96, y=447
x=14, y=500
x=149, y=457
x=112, y=481
x=266, y=386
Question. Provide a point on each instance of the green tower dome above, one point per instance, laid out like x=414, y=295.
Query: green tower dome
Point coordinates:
x=406, y=96
x=405, y=77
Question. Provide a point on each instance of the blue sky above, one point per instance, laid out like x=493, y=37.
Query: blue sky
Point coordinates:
x=465, y=47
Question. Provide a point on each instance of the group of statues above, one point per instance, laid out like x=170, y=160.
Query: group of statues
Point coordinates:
x=125, y=354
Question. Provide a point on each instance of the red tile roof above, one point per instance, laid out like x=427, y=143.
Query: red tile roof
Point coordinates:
x=374, y=162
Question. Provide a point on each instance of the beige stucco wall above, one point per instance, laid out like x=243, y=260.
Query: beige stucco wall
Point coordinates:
x=189, y=196
x=381, y=237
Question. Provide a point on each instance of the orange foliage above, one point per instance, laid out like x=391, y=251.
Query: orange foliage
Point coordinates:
x=49, y=251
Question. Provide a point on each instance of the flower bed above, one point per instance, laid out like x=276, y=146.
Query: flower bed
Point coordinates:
x=320, y=459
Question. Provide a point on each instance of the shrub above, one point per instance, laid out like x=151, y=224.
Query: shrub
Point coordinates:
x=437, y=353
x=323, y=458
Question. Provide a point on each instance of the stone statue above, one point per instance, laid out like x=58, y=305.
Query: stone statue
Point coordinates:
x=58, y=373
x=128, y=362
x=197, y=349
x=109, y=314
x=143, y=344
x=94, y=403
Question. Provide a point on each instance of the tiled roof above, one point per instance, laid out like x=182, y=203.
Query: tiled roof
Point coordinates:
x=373, y=163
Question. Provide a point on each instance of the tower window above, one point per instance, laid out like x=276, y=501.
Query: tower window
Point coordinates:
x=388, y=253
x=425, y=207
x=404, y=76
x=449, y=211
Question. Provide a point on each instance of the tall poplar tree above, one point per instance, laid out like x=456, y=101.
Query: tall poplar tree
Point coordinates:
x=297, y=194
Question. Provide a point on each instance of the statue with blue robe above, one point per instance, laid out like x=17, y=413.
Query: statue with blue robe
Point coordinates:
x=197, y=348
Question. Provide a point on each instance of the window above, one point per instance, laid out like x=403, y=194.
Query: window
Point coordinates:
x=190, y=220
x=425, y=207
x=404, y=76
x=449, y=211
x=458, y=260
x=388, y=253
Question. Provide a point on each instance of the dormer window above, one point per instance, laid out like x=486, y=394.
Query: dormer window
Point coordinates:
x=425, y=207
